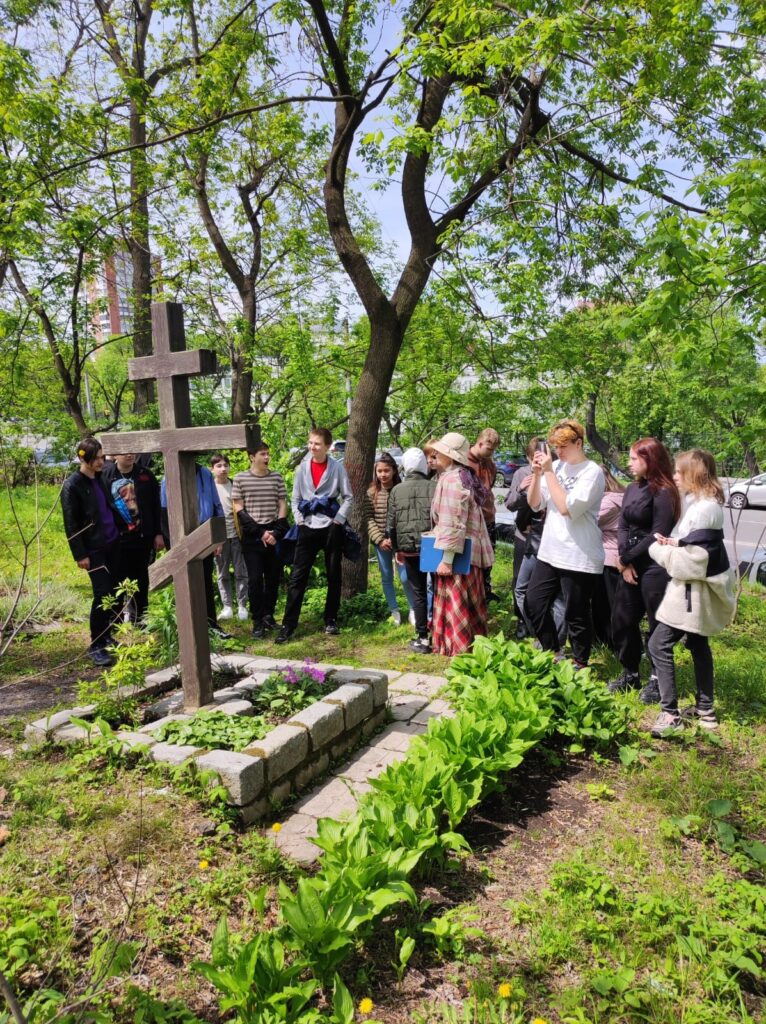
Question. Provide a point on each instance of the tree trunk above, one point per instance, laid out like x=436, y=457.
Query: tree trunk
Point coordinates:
x=362, y=437
x=607, y=451
x=140, y=184
x=750, y=460
x=241, y=360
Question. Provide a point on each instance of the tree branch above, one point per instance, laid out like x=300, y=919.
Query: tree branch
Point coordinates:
x=603, y=168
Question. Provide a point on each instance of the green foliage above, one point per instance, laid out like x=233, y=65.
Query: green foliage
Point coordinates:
x=472, y=1011
x=579, y=707
x=134, y=655
x=29, y=929
x=451, y=931
x=363, y=609
x=143, y=1008
x=161, y=623
x=215, y=730
x=654, y=952
x=257, y=981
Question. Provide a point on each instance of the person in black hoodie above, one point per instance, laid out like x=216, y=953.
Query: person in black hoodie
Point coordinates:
x=651, y=505
x=93, y=528
x=136, y=493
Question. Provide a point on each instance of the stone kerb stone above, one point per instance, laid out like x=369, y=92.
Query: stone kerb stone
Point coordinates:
x=171, y=753
x=356, y=701
x=283, y=750
x=42, y=729
x=416, y=682
x=361, y=677
x=322, y=721
x=243, y=775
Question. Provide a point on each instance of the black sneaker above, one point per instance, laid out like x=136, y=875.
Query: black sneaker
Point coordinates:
x=269, y=622
x=259, y=631
x=221, y=634
x=284, y=635
x=421, y=645
x=331, y=628
x=651, y=692
x=627, y=681
x=101, y=657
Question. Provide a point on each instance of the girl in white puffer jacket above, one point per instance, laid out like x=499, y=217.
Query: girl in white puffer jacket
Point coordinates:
x=699, y=600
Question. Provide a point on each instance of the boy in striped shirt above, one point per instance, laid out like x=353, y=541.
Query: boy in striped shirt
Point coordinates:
x=259, y=501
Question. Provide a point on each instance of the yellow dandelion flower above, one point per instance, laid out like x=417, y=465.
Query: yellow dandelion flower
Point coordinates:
x=365, y=1005
x=276, y=827
x=539, y=1020
x=203, y=865
x=504, y=990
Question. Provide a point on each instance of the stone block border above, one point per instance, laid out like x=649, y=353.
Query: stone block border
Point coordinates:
x=286, y=761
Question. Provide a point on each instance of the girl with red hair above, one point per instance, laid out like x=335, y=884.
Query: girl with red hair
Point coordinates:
x=651, y=505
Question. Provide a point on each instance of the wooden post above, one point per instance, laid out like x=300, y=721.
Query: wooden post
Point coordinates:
x=172, y=365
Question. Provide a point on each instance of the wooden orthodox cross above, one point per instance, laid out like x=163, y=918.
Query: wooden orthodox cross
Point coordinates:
x=178, y=440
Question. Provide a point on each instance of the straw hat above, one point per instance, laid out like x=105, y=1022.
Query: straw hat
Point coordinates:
x=455, y=447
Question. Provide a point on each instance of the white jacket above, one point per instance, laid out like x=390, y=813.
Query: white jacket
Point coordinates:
x=693, y=601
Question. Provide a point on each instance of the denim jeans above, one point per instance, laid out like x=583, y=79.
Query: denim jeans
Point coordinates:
x=661, y=644
x=523, y=577
x=386, y=565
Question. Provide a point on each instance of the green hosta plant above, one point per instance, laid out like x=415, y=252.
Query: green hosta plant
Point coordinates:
x=215, y=730
x=257, y=981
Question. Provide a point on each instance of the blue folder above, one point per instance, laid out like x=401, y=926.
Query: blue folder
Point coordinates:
x=431, y=556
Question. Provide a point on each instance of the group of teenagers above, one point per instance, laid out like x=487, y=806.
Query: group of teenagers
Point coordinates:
x=592, y=558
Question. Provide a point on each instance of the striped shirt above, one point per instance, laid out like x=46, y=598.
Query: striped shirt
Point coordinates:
x=260, y=495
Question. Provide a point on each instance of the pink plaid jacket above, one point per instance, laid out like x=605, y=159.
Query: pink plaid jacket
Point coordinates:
x=456, y=516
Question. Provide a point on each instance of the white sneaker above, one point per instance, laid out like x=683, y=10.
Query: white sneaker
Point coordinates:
x=226, y=612
x=397, y=617
x=411, y=617
x=666, y=724
x=242, y=614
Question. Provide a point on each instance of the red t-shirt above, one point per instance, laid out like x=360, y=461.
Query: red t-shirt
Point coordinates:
x=317, y=471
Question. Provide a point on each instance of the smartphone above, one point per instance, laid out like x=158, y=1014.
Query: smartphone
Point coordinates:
x=542, y=446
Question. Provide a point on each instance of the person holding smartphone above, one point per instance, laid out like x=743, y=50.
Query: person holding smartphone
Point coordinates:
x=571, y=553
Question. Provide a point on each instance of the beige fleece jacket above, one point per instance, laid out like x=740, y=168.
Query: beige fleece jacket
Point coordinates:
x=708, y=606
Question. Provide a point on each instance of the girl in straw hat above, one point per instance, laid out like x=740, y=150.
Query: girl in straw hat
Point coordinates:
x=460, y=608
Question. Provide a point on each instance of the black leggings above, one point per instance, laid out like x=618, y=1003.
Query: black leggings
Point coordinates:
x=631, y=601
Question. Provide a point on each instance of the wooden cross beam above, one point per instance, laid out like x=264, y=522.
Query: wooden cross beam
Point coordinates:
x=172, y=365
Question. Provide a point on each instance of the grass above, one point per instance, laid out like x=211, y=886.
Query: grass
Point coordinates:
x=603, y=890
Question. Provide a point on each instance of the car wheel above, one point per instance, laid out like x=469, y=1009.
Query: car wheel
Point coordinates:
x=738, y=501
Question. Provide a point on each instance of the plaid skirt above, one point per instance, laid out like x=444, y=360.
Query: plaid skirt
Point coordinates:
x=460, y=611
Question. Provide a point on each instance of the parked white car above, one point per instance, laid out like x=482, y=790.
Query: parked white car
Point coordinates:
x=749, y=493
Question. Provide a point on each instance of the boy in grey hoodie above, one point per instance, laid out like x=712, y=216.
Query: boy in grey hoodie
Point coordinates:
x=321, y=503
